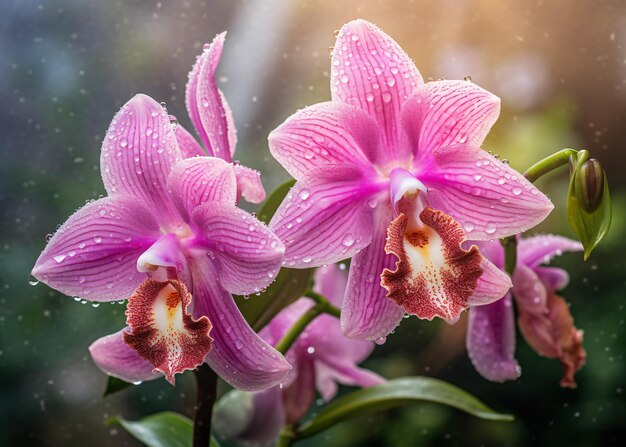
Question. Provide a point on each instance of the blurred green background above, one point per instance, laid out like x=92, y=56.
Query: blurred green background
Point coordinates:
x=67, y=66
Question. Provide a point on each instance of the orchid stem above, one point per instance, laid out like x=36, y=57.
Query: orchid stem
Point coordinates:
x=548, y=164
x=322, y=306
x=287, y=437
x=542, y=167
x=206, y=392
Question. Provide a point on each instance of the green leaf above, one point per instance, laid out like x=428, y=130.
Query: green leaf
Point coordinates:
x=274, y=200
x=114, y=385
x=588, y=202
x=395, y=393
x=290, y=284
x=167, y=429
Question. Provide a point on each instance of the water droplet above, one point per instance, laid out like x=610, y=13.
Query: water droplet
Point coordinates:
x=380, y=341
x=386, y=96
x=59, y=258
x=304, y=194
x=501, y=181
x=95, y=304
x=238, y=344
x=32, y=280
x=369, y=97
x=307, y=259
x=517, y=190
x=308, y=154
x=310, y=350
x=348, y=240
x=490, y=228
x=467, y=78
x=123, y=142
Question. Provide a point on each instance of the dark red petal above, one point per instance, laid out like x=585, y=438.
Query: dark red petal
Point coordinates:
x=162, y=331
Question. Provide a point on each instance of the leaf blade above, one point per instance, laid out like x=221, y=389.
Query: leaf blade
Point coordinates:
x=395, y=393
x=166, y=429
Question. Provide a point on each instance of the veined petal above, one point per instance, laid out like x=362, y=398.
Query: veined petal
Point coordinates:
x=488, y=198
x=491, y=340
x=445, y=113
x=367, y=313
x=249, y=184
x=327, y=133
x=530, y=294
x=162, y=331
x=93, y=254
x=492, y=285
x=370, y=70
x=300, y=393
x=205, y=102
x=325, y=221
x=332, y=371
x=239, y=355
x=188, y=145
x=553, y=278
x=434, y=275
x=199, y=180
x=138, y=153
x=247, y=253
x=114, y=357
x=554, y=335
x=540, y=249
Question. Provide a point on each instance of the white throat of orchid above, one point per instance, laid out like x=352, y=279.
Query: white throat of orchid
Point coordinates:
x=434, y=275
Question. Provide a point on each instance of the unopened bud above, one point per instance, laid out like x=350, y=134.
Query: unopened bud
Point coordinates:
x=591, y=183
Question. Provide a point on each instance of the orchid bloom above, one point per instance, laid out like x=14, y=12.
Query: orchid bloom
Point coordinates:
x=543, y=317
x=169, y=235
x=390, y=172
x=211, y=116
x=321, y=357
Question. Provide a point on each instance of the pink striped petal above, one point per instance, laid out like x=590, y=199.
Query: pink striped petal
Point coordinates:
x=370, y=70
x=530, y=293
x=446, y=113
x=325, y=222
x=325, y=134
x=114, y=357
x=239, y=355
x=93, y=254
x=541, y=249
x=137, y=156
x=492, y=285
x=367, y=313
x=249, y=184
x=199, y=180
x=205, y=104
x=491, y=340
x=486, y=196
x=553, y=278
x=249, y=255
x=188, y=145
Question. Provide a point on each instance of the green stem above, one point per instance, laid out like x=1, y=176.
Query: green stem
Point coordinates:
x=287, y=437
x=550, y=163
x=322, y=306
x=510, y=254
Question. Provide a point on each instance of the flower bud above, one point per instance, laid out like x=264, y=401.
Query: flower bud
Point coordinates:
x=588, y=201
x=591, y=184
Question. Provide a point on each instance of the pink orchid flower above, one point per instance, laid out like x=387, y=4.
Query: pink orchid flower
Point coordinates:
x=211, y=116
x=321, y=357
x=175, y=220
x=390, y=172
x=544, y=318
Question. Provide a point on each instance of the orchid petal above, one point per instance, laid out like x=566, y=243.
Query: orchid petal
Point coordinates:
x=199, y=180
x=331, y=282
x=325, y=222
x=530, y=293
x=239, y=355
x=205, y=102
x=366, y=312
x=162, y=331
x=188, y=145
x=434, y=275
x=371, y=71
x=445, y=113
x=491, y=340
x=486, y=196
x=325, y=134
x=93, y=254
x=492, y=285
x=298, y=396
x=114, y=357
x=541, y=249
x=138, y=153
x=493, y=251
x=327, y=374
x=249, y=184
x=248, y=254
x=553, y=278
